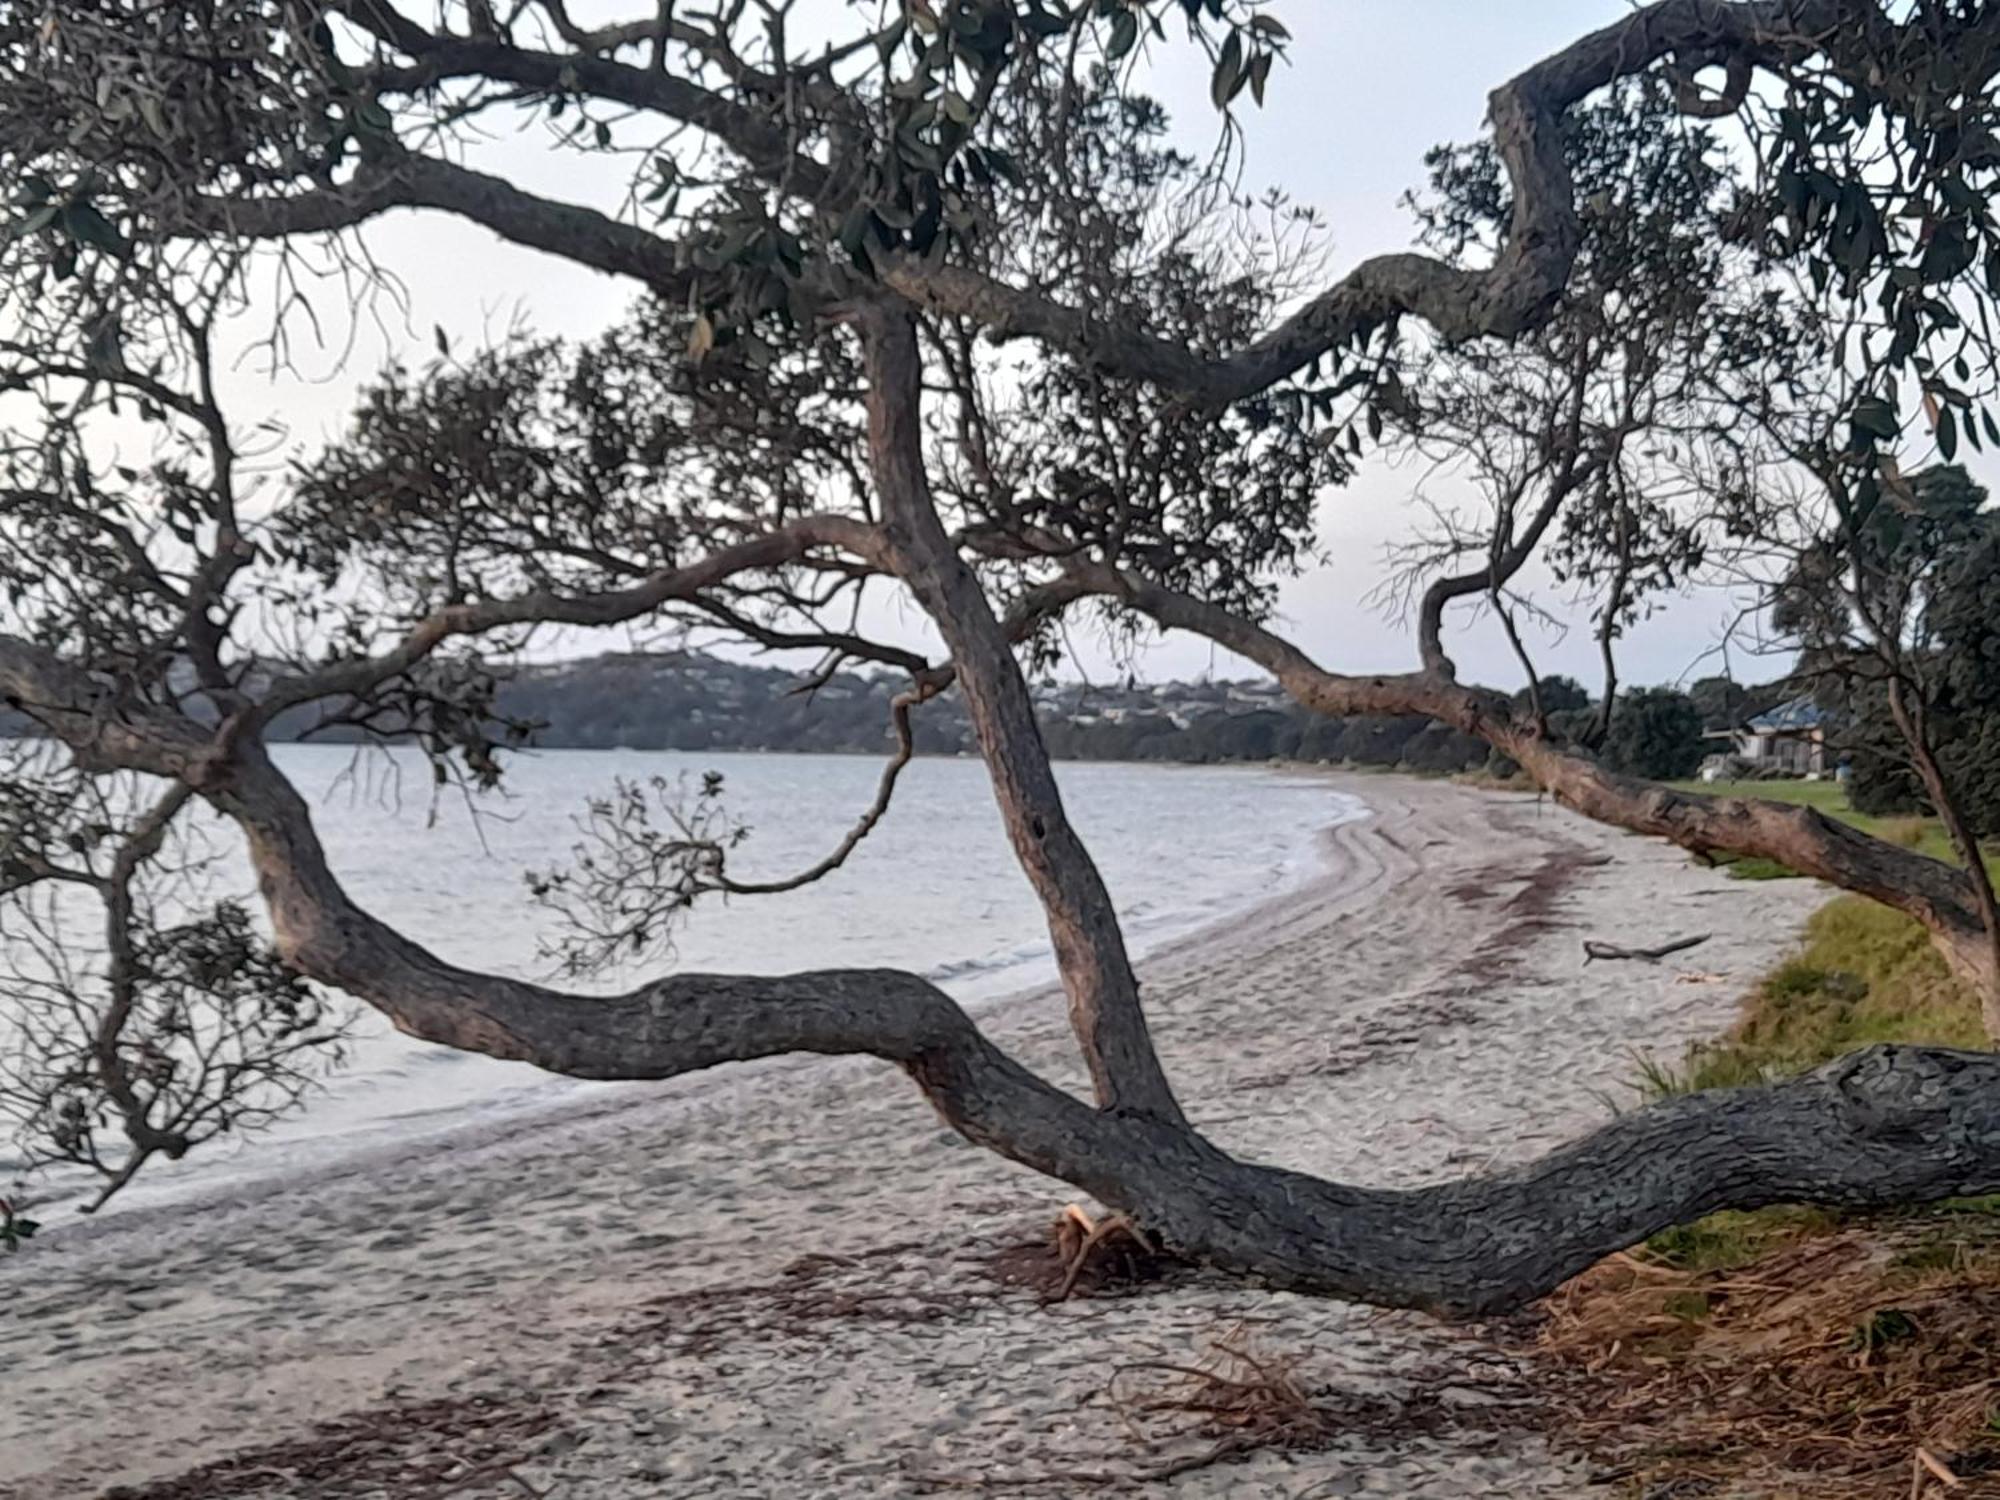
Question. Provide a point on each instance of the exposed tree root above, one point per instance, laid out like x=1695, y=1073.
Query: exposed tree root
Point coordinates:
x=1084, y=1257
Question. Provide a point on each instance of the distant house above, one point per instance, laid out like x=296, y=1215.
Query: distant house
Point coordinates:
x=1789, y=738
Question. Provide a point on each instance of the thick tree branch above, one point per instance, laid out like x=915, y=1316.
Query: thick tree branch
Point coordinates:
x=746, y=131
x=1504, y=300
x=1891, y=1125
x=1105, y=1011
x=545, y=607
x=406, y=180
x=1515, y=293
x=1802, y=838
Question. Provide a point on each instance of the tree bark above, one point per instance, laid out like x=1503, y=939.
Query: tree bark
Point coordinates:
x=1887, y=1126
x=1105, y=1011
x=1504, y=299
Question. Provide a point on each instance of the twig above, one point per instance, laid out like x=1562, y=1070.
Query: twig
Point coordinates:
x=1926, y=1460
x=1594, y=949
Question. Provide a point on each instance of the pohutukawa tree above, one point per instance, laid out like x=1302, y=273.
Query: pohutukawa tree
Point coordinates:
x=927, y=308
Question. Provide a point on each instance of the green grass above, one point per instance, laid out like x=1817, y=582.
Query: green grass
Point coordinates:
x=1866, y=975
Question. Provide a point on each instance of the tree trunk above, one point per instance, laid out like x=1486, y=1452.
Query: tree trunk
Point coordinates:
x=1096, y=972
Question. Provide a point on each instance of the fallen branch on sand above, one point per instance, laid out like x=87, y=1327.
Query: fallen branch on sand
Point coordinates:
x=1593, y=949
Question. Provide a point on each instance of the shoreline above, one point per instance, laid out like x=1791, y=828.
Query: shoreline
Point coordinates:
x=1415, y=1010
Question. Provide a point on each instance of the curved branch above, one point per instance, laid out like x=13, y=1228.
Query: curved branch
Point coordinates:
x=1501, y=566
x=1515, y=293
x=767, y=150
x=1892, y=1125
x=1799, y=837
x=546, y=607
x=578, y=234
x=885, y=790
x=679, y=1024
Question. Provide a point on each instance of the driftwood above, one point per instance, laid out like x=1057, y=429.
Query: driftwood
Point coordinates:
x=1593, y=949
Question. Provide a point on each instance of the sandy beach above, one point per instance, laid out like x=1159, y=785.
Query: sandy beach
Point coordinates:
x=777, y=1280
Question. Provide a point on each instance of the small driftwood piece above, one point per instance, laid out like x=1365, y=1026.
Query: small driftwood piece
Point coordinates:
x=1593, y=949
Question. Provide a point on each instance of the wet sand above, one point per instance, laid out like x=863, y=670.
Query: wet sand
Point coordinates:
x=774, y=1279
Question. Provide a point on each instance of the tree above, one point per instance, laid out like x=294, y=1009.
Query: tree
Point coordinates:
x=929, y=311
x=1904, y=611
x=1656, y=733
x=1722, y=702
x=1558, y=693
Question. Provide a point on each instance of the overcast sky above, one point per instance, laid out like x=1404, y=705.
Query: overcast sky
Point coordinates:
x=1373, y=84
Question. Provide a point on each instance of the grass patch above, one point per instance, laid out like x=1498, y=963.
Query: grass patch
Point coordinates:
x=1805, y=1368
x=1731, y=1240
x=1866, y=975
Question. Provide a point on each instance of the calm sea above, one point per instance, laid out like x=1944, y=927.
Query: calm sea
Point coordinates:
x=934, y=889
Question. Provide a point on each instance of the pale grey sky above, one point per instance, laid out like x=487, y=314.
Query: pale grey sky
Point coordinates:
x=1372, y=85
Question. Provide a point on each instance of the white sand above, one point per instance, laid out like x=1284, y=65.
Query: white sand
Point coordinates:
x=1408, y=1016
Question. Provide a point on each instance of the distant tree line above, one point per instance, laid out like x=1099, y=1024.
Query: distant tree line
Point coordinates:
x=691, y=701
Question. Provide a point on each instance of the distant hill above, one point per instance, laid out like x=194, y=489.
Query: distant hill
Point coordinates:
x=691, y=701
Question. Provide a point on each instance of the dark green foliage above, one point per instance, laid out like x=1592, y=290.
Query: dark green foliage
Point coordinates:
x=1723, y=702
x=1655, y=733
x=1440, y=748
x=1558, y=694
x=1931, y=567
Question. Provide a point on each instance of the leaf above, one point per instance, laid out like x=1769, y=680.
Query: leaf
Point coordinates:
x=1270, y=26
x=1950, y=251
x=33, y=223
x=1260, y=72
x=1040, y=23
x=1876, y=417
x=89, y=227
x=1124, y=34
x=443, y=343
x=1228, y=72
x=1947, y=434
